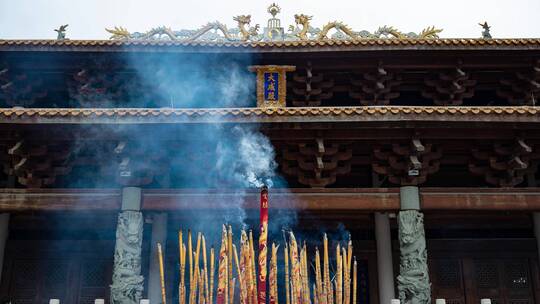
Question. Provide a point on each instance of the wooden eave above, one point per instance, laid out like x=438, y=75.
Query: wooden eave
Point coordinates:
x=375, y=114
x=327, y=45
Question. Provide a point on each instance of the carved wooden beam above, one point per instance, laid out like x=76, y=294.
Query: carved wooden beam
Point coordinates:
x=504, y=165
x=523, y=88
x=316, y=164
x=138, y=165
x=375, y=88
x=20, y=89
x=406, y=164
x=310, y=89
x=449, y=87
x=38, y=164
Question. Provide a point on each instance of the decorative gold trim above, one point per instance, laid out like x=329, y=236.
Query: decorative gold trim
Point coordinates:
x=281, y=70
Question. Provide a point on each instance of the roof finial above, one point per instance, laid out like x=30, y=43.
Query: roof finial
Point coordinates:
x=61, y=32
x=274, y=9
x=485, y=32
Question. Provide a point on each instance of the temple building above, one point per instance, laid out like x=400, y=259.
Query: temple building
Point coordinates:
x=424, y=149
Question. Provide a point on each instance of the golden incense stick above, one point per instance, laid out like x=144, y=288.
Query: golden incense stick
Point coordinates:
x=298, y=284
x=240, y=276
x=205, y=269
x=212, y=271
x=319, y=296
x=287, y=283
x=193, y=291
x=201, y=286
x=222, y=268
x=327, y=286
x=339, y=278
x=182, y=285
x=354, y=282
x=253, y=269
x=161, y=274
x=226, y=281
x=295, y=270
x=230, y=260
x=346, y=285
x=304, y=274
x=233, y=284
x=190, y=253
x=272, y=277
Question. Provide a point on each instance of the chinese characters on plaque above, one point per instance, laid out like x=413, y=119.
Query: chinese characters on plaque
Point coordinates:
x=271, y=85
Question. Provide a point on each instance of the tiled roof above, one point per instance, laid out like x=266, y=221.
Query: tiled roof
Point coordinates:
x=296, y=114
x=300, y=45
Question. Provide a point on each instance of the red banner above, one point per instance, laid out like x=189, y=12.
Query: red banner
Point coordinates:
x=263, y=246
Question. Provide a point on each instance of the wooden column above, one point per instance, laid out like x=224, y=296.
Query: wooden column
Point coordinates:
x=159, y=235
x=385, y=269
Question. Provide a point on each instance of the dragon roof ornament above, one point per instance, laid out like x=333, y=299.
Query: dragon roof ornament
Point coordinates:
x=244, y=32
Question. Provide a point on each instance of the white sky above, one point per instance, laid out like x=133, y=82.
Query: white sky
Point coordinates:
x=36, y=19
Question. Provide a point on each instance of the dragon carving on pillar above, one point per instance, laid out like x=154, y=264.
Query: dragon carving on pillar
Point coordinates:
x=127, y=281
x=413, y=279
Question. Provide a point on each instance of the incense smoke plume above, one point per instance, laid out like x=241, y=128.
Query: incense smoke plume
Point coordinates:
x=228, y=161
x=234, y=157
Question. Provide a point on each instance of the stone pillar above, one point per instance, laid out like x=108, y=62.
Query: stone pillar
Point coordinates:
x=385, y=268
x=4, y=232
x=159, y=235
x=536, y=221
x=127, y=281
x=413, y=280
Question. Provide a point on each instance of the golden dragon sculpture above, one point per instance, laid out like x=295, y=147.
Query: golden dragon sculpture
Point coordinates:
x=338, y=25
x=249, y=32
x=216, y=31
x=302, y=20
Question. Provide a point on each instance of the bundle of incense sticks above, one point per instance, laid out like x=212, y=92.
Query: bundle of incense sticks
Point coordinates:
x=240, y=266
x=305, y=280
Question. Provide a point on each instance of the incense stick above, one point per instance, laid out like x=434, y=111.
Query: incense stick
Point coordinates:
x=299, y=287
x=287, y=281
x=354, y=282
x=161, y=274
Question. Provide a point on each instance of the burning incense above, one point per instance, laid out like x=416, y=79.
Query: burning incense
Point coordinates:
x=287, y=282
x=205, y=270
x=253, y=289
x=339, y=279
x=263, y=244
x=346, y=290
x=201, y=287
x=195, y=281
x=295, y=272
x=222, y=268
x=272, y=278
x=190, y=252
x=327, y=285
x=181, y=286
x=230, y=261
x=319, y=296
x=212, y=271
x=161, y=274
x=240, y=276
x=354, y=282
x=304, y=275
x=233, y=284
x=253, y=274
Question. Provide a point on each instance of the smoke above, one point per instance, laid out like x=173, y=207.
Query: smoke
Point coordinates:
x=228, y=161
x=255, y=165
